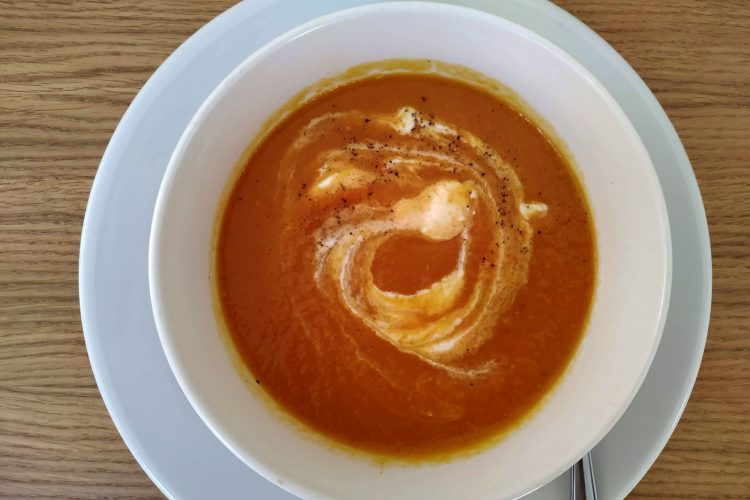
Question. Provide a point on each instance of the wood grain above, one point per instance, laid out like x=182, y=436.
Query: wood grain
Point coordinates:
x=68, y=70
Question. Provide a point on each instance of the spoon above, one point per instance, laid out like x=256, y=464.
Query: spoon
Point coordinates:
x=582, y=485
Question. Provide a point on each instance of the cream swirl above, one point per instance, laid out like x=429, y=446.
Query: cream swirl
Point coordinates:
x=409, y=174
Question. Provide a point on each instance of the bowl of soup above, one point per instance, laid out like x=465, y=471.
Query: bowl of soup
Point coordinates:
x=410, y=250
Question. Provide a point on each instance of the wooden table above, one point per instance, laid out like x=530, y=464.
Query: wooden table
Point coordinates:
x=68, y=70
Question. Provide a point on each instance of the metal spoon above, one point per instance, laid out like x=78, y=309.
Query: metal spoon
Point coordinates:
x=582, y=485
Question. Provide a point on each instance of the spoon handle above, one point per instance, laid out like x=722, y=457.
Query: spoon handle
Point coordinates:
x=582, y=485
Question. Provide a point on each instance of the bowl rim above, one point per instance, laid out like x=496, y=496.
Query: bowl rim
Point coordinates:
x=160, y=219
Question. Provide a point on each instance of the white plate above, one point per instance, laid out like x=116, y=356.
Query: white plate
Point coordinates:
x=157, y=423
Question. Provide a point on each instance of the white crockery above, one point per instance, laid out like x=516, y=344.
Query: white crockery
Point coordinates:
x=628, y=208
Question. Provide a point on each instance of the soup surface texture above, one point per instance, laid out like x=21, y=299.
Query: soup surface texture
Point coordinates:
x=406, y=264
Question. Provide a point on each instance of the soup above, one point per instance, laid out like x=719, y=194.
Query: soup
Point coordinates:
x=406, y=264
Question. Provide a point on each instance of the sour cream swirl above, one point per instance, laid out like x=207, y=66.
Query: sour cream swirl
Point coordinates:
x=440, y=183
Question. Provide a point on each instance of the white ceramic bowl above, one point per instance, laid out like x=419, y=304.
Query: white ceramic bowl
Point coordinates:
x=633, y=246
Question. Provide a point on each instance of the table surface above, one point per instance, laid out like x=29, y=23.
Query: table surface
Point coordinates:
x=68, y=70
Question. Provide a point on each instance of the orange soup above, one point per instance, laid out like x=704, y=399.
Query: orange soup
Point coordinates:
x=406, y=264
